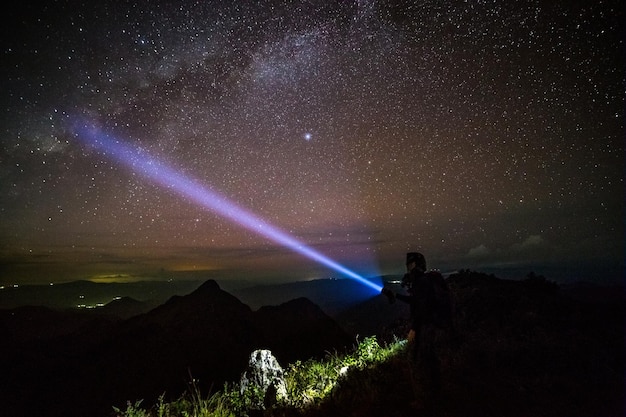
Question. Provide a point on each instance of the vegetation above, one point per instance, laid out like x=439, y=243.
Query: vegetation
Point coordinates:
x=519, y=348
x=308, y=383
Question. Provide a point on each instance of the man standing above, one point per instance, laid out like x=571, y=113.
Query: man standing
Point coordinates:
x=423, y=299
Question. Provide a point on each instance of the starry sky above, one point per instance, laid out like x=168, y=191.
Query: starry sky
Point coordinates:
x=487, y=134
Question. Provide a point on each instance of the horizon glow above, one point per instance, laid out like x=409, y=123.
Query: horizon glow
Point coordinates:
x=157, y=171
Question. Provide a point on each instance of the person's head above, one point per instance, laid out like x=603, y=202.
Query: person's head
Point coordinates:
x=415, y=260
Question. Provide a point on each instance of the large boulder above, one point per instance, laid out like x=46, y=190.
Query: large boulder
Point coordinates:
x=263, y=381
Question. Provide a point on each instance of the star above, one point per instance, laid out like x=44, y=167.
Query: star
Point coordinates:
x=447, y=128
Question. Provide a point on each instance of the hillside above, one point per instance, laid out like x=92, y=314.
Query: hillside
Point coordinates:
x=103, y=361
x=520, y=348
x=331, y=295
x=87, y=293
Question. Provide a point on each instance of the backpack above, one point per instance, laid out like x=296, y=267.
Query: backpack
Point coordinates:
x=442, y=299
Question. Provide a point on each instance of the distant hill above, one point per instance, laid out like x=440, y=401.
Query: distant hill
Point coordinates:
x=296, y=330
x=92, y=294
x=331, y=295
x=125, y=307
x=32, y=325
x=520, y=348
x=375, y=316
x=207, y=334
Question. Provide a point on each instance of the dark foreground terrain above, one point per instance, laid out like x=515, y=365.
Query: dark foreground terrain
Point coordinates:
x=64, y=363
x=520, y=348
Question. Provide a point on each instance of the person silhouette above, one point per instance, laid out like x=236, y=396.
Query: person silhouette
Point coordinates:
x=424, y=324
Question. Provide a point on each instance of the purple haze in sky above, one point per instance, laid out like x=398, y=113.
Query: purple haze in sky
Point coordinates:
x=166, y=176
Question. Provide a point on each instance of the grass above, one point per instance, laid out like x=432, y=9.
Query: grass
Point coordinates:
x=520, y=349
x=309, y=384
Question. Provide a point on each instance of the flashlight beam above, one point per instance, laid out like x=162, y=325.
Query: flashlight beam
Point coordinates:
x=166, y=176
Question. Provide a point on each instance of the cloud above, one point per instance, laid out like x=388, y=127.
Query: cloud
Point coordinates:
x=532, y=242
x=534, y=247
x=479, y=251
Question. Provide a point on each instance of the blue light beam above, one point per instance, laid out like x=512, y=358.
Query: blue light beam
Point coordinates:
x=141, y=162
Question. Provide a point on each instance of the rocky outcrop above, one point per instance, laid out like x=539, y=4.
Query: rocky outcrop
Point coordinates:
x=263, y=380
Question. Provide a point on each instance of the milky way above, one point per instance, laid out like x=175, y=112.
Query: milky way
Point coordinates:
x=489, y=135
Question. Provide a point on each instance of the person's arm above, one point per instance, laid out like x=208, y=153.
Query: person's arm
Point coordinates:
x=392, y=296
x=406, y=298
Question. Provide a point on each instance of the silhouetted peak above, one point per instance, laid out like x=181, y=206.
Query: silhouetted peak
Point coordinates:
x=211, y=292
x=207, y=290
x=301, y=303
x=123, y=301
x=125, y=307
x=298, y=307
x=209, y=286
x=299, y=329
x=208, y=301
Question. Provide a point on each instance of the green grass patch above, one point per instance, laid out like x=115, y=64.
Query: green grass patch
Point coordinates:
x=309, y=383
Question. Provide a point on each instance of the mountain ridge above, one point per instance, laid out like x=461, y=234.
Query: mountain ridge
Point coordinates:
x=207, y=334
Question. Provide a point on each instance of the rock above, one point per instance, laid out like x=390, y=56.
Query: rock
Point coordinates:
x=263, y=380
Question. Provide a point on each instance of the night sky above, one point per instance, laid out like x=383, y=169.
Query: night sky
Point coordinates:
x=487, y=134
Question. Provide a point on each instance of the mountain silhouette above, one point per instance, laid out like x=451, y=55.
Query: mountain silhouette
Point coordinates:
x=562, y=345
x=35, y=324
x=331, y=295
x=206, y=335
x=299, y=328
x=125, y=307
x=68, y=295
